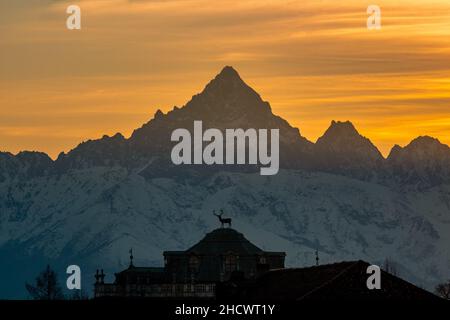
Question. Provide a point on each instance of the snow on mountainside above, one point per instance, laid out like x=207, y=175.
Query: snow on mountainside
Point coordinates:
x=425, y=161
x=91, y=218
x=24, y=165
x=339, y=196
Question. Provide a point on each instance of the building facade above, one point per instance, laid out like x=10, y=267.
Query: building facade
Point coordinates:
x=222, y=255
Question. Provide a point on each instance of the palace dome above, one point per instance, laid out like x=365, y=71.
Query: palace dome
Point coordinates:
x=223, y=240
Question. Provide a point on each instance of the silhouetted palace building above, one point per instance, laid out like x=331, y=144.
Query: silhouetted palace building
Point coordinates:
x=222, y=255
x=225, y=265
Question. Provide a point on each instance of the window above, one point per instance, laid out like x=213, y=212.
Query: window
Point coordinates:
x=230, y=263
x=262, y=260
x=194, y=263
x=200, y=288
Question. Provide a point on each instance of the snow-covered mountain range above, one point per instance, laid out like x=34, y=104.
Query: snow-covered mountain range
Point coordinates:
x=338, y=195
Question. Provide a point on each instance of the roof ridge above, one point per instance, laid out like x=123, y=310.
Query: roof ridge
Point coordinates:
x=329, y=281
x=226, y=238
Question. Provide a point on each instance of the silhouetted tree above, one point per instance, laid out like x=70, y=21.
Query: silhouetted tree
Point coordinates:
x=46, y=286
x=443, y=290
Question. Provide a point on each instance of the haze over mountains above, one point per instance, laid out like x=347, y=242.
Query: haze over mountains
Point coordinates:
x=338, y=195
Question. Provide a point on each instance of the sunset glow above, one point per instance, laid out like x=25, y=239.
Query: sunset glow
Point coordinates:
x=314, y=61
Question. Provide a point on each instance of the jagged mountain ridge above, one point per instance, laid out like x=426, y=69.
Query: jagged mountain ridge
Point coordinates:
x=24, y=165
x=94, y=203
x=228, y=102
x=343, y=150
x=424, y=159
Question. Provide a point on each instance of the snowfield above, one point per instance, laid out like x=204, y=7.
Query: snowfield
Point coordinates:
x=92, y=217
x=339, y=196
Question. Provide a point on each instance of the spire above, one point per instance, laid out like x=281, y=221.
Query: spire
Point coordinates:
x=317, y=257
x=102, y=277
x=97, y=277
x=131, y=258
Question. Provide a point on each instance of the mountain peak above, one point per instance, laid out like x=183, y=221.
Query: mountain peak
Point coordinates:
x=339, y=131
x=158, y=114
x=425, y=141
x=423, y=147
x=227, y=80
x=425, y=162
x=342, y=147
x=228, y=72
x=227, y=96
x=225, y=102
x=342, y=128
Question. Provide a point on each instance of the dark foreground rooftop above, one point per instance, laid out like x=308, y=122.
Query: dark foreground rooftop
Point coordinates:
x=338, y=281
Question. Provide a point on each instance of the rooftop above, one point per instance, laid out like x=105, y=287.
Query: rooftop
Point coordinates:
x=224, y=240
x=337, y=281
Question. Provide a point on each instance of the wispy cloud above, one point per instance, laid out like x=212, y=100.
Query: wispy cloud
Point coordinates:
x=313, y=60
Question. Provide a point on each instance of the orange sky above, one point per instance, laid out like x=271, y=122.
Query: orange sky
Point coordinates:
x=313, y=60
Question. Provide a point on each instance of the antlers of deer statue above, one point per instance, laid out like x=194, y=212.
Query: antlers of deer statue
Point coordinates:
x=223, y=221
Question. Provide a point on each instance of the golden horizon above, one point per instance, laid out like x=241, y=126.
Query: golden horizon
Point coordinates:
x=314, y=62
x=165, y=110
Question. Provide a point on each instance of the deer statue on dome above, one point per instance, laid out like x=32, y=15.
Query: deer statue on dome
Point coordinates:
x=223, y=221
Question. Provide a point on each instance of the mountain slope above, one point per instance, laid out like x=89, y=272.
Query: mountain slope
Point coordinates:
x=227, y=102
x=424, y=162
x=339, y=196
x=343, y=150
x=92, y=217
x=24, y=165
